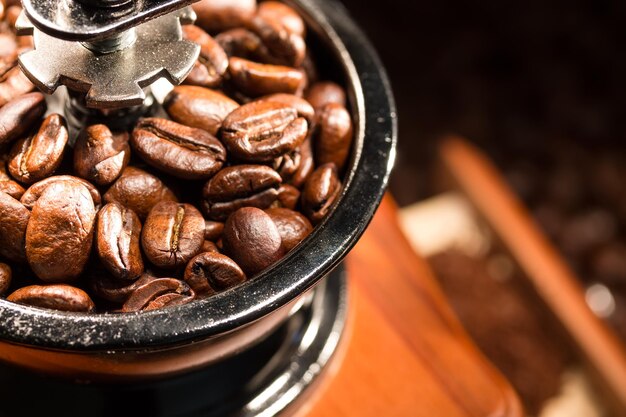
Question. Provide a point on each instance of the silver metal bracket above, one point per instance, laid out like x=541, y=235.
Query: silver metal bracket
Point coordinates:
x=114, y=77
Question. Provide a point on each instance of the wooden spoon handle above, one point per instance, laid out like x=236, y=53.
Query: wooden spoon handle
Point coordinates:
x=543, y=266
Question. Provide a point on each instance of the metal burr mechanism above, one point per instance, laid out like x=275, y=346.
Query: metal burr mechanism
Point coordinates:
x=106, y=50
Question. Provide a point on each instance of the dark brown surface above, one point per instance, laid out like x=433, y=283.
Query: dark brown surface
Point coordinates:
x=523, y=72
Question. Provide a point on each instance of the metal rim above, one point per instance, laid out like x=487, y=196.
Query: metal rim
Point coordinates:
x=364, y=187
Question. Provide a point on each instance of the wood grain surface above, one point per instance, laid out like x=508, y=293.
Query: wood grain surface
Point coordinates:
x=544, y=267
x=404, y=353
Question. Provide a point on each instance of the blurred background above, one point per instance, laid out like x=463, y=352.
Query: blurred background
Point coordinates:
x=540, y=87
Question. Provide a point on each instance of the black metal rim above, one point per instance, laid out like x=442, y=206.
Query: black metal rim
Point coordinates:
x=365, y=185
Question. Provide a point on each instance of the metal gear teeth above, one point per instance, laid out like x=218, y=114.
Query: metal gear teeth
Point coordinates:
x=115, y=79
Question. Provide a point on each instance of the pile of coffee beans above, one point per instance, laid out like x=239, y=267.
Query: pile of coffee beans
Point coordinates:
x=243, y=162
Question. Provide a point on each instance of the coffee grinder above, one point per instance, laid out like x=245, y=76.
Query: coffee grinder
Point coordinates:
x=255, y=350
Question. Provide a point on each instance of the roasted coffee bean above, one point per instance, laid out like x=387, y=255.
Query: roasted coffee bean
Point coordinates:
x=288, y=17
x=240, y=186
x=13, y=84
x=12, y=188
x=35, y=191
x=100, y=156
x=118, y=232
x=212, y=272
x=208, y=246
x=242, y=43
x=287, y=164
x=169, y=300
x=263, y=130
x=213, y=230
x=13, y=222
x=35, y=157
x=325, y=92
x=11, y=15
x=252, y=240
x=288, y=196
x=7, y=185
x=320, y=192
x=173, y=234
x=254, y=79
x=198, y=107
x=20, y=115
x=212, y=58
x=139, y=191
x=141, y=298
x=60, y=232
x=333, y=137
x=292, y=226
x=305, y=166
x=8, y=52
x=302, y=106
x=57, y=297
x=182, y=151
x=218, y=15
x=112, y=289
x=285, y=47
x=5, y=278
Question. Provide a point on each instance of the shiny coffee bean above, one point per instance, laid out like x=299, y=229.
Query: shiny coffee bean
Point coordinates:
x=12, y=188
x=182, y=151
x=57, y=297
x=208, y=246
x=13, y=222
x=285, y=47
x=305, y=166
x=35, y=191
x=252, y=240
x=173, y=234
x=333, y=138
x=213, y=60
x=14, y=84
x=20, y=115
x=100, y=156
x=288, y=196
x=60, y=232
x=288, y=17
x=112, y=289
x=142, y=297
x=320, y=192
x=286, y=165
x=325, y=92
x=169, y=300
x=218, y=15
x=213, y=230
x=254, y=79
x=118, y=232
x=210, y=272
x=198, y=107
x=302, y=106
x=7, y=185
x=5, y=278
x=242, y=43
x=139, y=191
x=12, y=12
x=263, y=130
x=8, y=52
x=292, y=226
x=239, y=186
x=35, y=157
